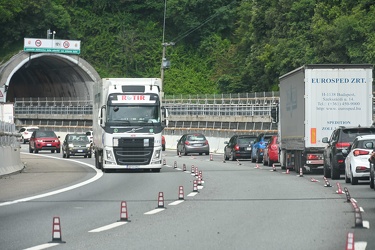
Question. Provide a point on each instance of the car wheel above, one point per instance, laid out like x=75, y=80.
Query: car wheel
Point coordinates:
x=231, y=157
x=258, y=160
x=52, y=151
x=30, y=150
x=163, y=147
x=184, y=152
x=326, y=170
x=335, y=172
x=23, y=140
x=63, y=154
x=347, y=179
x=58, y=151
x=372, y=183
x=265, y=162
x=36, y=151
x=85, y=156
x=354, y=180
x=252, y=159
x=67, y=154
x=90, y=155
x=225, y=157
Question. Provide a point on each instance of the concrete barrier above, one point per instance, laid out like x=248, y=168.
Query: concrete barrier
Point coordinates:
x=10, y=158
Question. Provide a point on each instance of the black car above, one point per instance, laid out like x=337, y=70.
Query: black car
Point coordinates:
x=76, y=145
x=342, y=137
x=239, y=147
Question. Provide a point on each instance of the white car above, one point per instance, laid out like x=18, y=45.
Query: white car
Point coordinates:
x=26, y=133
x=357, y=166
x=89, y=135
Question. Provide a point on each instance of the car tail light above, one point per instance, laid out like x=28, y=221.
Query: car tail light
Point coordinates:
x=273, y=147
x=358, y=152
x=236, y=147
x=361, y=169
x=342, y=145
x=187, y=143
x=205, y=142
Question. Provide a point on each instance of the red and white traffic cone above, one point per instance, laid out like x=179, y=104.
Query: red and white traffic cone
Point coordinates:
x=339, y=190
x=161, y=200
x=164, y=162
x=181, y=193
x=123, y=211
x=327, y=184
x=273, y=167
x=195, y=186
x=350, y=243
x=211, y=158
x=314, y=180
x=238, y=162
x=201, y=175
x=56, y=231
x=257, y=166
x=196, y=171
x=179, y=154
x=184, y=167
x=175, y=164
x=192, y=169
x=300, y=172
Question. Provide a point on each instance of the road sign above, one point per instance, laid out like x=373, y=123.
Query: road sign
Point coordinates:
x=52, y=46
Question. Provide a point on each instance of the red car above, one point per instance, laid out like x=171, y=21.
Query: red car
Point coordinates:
x=44, y=140
x=163, y=142
x=271, y=152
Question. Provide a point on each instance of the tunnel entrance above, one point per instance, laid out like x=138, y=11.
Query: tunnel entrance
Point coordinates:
x=47, y=75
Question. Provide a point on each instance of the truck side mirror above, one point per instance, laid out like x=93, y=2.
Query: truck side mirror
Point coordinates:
x=102, y=116
x=165, y=114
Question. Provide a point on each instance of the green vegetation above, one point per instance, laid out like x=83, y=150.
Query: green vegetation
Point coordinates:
x=222, y=46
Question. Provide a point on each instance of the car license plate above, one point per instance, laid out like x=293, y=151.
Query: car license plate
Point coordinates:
x=248, y=148
x=80, y=150
x=48, y=145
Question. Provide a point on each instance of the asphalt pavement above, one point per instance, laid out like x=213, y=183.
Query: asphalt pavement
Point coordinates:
x=40, y=175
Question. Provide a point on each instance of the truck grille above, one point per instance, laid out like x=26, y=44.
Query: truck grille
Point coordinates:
x=134, y=151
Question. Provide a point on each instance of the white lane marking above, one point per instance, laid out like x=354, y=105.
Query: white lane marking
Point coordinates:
x=193, y=194
x=176, y=203
x=366, y=224
x=178, y=168
x=200, y=187
x=110, y=226
x=44, y=246
x=98, y=175
x=360, y=245
x=156, y=210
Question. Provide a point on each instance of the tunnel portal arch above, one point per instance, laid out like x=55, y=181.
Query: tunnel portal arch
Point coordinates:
x=47, y=75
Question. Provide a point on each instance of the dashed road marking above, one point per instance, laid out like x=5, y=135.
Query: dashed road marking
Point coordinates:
x=110, y=226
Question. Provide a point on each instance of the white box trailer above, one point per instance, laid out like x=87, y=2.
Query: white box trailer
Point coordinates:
x=128, y=120
x=314, y=100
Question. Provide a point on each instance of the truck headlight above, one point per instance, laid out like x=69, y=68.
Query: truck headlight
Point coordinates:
x=109, y=157
x=157, y=156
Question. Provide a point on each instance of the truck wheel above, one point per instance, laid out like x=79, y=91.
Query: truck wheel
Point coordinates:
x=98, y=165
x=156, y=170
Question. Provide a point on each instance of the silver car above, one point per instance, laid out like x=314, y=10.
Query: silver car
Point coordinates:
x=193, y=143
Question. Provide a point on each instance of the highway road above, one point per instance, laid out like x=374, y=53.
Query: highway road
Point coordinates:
x=239, y=206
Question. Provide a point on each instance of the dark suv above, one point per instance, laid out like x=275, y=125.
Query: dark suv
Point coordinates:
x=342, y=137
x=239, y=147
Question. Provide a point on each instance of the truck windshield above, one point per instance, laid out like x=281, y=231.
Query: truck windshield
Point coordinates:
x=133, y=114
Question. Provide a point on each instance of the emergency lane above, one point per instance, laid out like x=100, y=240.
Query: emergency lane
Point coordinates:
x=239, y=206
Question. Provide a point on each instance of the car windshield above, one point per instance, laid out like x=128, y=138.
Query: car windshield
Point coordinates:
x=245, y=140
x=45, y=134
x=76, y=138
x=196, y=138
x=348, y=135
x=32, y=129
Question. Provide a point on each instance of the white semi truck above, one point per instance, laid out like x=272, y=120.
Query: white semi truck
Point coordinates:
x=128, y=120
x=316, y=99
